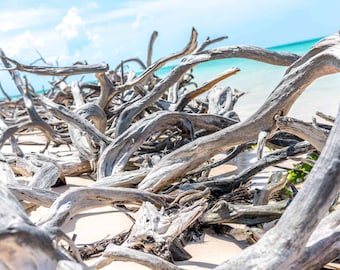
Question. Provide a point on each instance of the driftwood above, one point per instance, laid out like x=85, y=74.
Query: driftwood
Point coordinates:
x=275, y=183
x=315, y=135
x=223, y=212
x=35, y=118
x=19, y=236
x=155, y=231
x=81, y=199
x=227, y=184
x=278, y=103
x=282, y=249
x=114, y=252
x=149, y=144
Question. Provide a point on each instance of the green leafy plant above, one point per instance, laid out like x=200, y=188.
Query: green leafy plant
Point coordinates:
x=287, y=192
x=301, y=170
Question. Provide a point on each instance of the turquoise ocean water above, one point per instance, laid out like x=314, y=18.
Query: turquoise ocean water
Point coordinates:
x=258, y=80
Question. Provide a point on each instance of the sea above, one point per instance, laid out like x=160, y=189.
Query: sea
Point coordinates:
x=258, y=80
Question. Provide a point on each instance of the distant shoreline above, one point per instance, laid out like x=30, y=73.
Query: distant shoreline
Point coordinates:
x=166, y=69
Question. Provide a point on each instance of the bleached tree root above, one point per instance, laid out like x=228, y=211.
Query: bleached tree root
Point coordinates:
x=80, y=199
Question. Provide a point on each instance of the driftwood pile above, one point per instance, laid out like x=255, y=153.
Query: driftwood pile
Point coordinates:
x=148, y=143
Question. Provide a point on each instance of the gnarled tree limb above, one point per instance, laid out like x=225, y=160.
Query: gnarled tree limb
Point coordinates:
x=283, y=245
x=59, y=71
x=205, y=87
x=250, y=52
x=318, y=62
x=19, y=237
x=116, y=155
x=81, y=199
x=114, y=252
x=315, y=135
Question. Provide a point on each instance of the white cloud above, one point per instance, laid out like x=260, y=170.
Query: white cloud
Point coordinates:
x=50, y=44
x=112, y=15
x=71, y=24
x=92, y=29
x=95, y=38
x=25, y=18
x=21, y=43
x=92, y=5
x=142, y=20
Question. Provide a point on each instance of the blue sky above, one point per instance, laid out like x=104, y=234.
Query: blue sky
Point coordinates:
x=112, y=30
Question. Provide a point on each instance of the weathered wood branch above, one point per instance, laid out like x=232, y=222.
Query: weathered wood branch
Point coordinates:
x=78, y=99
x=237, y=150
x=59, y=71
x=14, y=143
x=223, y=212
x=189, y=156
x=276, y=182
x=19, y=237
x=83, y=143
x=107, y=89
x=329, y=118
x=7, y=97
x=115, y=156
x=47, y=176
x=34, y=116
x=136, y=60
x=124, y=179
x=280, y=247
x=75, y=166
x=75, y=119
x=80, y=199
x=221, y=101
x=208, y=42
x=11, y=210
x=114, y=252
x=6, y=172
x=205, y=87
x=190, y=61
x=38, y=196
x=309, y=132
x=190, y=47
x=22, y=126
x=154, y=231
x=323, y=246
x=227, y=184
x=150, y=48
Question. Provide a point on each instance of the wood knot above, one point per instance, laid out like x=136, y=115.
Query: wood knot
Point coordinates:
x=277, y=117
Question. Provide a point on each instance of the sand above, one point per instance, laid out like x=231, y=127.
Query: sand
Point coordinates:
x=105, y=222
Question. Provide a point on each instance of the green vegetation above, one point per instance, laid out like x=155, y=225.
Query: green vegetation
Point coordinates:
x=301, y=170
